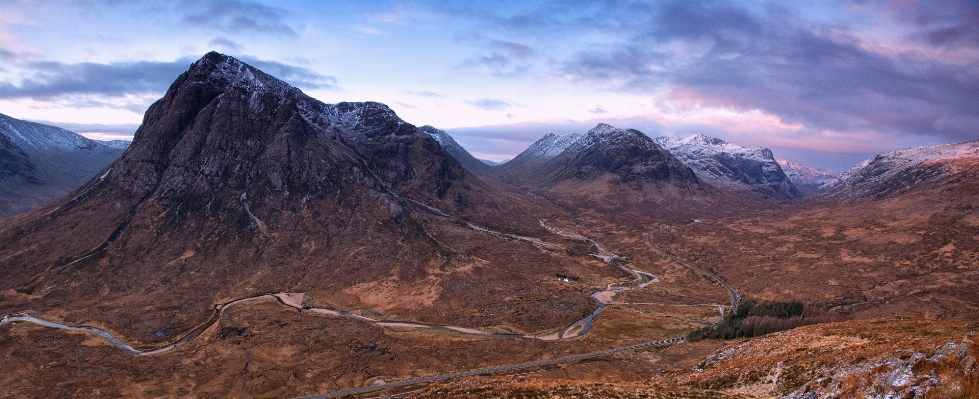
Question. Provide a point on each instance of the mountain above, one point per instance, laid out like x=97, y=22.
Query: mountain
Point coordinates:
x=617, y=170
x=804, y=178
x=732, y=167
x=893, y=173
x=41, y=163
x=460, y=154
x=626, y=153
x=237, y=184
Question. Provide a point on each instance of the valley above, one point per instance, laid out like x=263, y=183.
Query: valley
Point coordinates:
x=253, y=241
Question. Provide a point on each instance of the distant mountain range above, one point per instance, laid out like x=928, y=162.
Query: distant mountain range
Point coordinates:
x=41, y=163
x=494, y=163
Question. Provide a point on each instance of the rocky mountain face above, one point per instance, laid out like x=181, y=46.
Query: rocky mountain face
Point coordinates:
x=460, y=154
x=237, y=183
x=732, y=167
x=806, y=179
x=41, y=163
x=893, y=173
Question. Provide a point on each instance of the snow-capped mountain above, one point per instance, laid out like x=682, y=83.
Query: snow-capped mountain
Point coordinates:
x=458, y=152
x=806, y=179
x=892, y=173
x=627, y=153
x=730, y=166
x=40, y=163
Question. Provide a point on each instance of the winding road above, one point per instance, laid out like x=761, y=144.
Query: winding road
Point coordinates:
x=735, y=299
x=294, y=300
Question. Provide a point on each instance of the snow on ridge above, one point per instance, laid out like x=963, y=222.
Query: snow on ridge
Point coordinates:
x=41, y=136
x=441, y=136
x=604, y=135
x=886, y=166
x=806, y=178
x=562, y=143
x=551, y=145
x=968, y=149
x=698, y=145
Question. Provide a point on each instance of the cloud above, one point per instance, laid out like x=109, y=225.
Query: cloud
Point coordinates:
x=597, y=110
x=50, y=79
x=490, y=104
x=225, y=43
x=293, y=74
x=948, y=24
x=399, y=16
x=134, y=82
x=503, y=58
x=236, y=16
x=429, y=94
x=703, y=54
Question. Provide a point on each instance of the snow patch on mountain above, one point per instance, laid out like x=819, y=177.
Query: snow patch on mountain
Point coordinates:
x=457, y=151
x=731, y=166
x=40, y=163
x=899, y=171
x=805, y=178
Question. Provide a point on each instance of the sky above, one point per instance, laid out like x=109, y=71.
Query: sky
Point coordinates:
x=826, y=83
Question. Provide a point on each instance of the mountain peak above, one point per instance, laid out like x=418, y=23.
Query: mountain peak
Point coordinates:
x=602, y=128
x=224, y=71
x=702, y=139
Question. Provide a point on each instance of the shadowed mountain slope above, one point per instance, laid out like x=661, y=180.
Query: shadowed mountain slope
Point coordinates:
x=41, y=163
